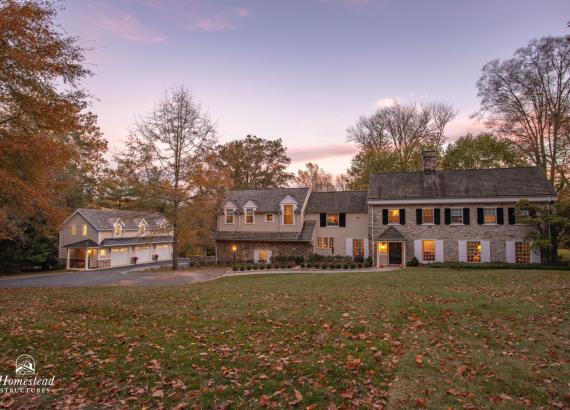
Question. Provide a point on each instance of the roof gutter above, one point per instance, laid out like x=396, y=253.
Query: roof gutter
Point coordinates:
x=471, y=200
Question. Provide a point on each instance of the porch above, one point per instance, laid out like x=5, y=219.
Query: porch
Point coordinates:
x=86, y=255
x=390, y=249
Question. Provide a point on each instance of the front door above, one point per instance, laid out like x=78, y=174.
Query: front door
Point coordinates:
x=395, y=253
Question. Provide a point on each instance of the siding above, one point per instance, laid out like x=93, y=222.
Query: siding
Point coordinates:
x=356, y=227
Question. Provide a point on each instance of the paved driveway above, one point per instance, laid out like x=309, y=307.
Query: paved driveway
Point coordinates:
x=121, y=276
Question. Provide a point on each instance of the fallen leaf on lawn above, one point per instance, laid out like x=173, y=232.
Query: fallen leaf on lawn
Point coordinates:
x=158, y=393
x=419, y=359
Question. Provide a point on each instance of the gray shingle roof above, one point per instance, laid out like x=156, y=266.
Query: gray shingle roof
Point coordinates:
x=87, y=243
x=391, y=234
x=266, y=200
x=103, y=219
x=476, y=183
x=141, y=240
x=340, y=201
x=306, y=235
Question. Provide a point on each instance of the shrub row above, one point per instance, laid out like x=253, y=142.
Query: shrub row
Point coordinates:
x=495, y=265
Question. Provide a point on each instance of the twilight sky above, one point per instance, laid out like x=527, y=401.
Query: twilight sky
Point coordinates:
x=302, y=70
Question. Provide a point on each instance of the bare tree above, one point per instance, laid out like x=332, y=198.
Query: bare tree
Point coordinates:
x=527, y=100
x=171, y=147
x=403, y=130
x=315, y=177
x=341, y=182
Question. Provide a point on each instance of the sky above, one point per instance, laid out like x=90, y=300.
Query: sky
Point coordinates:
x=300, y=70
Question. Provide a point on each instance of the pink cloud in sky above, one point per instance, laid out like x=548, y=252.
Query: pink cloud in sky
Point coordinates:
x=215, y=23
x=123, y=25
x=316, y=153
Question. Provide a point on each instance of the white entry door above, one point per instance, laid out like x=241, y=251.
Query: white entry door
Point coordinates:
x=119, y=256
x=143, y=253
x=163, y=252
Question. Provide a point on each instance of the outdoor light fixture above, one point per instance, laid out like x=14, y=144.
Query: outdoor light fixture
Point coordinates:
x=234, y=249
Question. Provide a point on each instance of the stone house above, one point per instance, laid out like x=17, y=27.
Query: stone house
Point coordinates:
x=436, y=216
x=104, y=238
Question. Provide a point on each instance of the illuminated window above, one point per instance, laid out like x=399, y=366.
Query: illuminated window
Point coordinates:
x=288, y=216
x=393, y=216
x=522, y=252
x=229, y=216
x=456, y=215
x=427, y=216
x=119, y=250
x=521, y=216
x=263, y=256
x=118, y=229
x=325, y=242
x=383, y=247
x=358, y=247
x=428, y=251
x=249, y=216
x=102, y=252
x=332, y=219
x=269, y=218
x=142, y=228
x=490, y=215
x=84, y=229
x=473, y=251
x=73, y=229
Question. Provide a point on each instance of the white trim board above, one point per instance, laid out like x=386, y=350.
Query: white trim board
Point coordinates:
x=459, y=200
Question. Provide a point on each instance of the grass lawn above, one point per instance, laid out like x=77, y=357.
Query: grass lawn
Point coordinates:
x=564, y=254
x=409, y=338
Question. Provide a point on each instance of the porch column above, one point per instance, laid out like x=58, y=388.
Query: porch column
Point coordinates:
x=404, y=254
x=67, y=264
x=86, y=259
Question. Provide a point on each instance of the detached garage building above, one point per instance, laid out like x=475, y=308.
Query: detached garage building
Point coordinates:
x=104, y=238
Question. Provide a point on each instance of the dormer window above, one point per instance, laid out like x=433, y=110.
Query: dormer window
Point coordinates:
x=288, y=214
x=118, y=229
x=229, y=215
x=142, y=227
x=249, y=215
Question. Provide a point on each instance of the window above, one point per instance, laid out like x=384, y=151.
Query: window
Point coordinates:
x=393, y=216
x=522, y=252
x=288, y=216
x=521, y=216
x=427, y=216
x=229, y=216
x=332, y=219
x=115, y=250
x=358, y=247
x=73, y=230
x=162, y=246
x=325, y=243
x=269, y=218
x=428, y=251
x=249, y=216
x=84, y=230
x=118, y=229
x=456, y=215
x=263, y=256
x=490, y=215
x=142, y=228
x=473, y=251
x=102, y=252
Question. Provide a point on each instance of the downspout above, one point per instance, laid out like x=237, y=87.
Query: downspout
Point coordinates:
x=374, y=262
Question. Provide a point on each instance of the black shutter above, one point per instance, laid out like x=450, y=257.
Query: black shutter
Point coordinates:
x=402, y=216
x=384, y=216
x=511, y=216
x=323, y=220
x=500, y=216
x=447, y=212
x=419, y=216
x=437, y=216
x=466, y=219
x=342, y=220
x=480, y=216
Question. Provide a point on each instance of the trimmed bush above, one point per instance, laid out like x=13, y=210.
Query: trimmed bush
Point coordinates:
x=495, y=265
x=241, y=268
x=352, y=266
x=414, y=262
x=262, y=267
x=323, y=266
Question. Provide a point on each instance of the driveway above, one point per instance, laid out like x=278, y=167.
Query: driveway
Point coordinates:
x=120, y=276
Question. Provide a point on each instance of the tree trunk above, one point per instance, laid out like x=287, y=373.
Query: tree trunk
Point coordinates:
x=175, y=237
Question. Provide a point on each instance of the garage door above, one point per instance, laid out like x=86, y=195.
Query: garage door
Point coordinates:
x=163, y=252
x=119, y=256
x=143, y=254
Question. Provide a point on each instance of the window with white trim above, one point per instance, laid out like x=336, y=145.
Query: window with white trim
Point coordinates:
x=456, y=216
x=288, y=214
x=490, y=216
x=263, y=256
x=428, y=251
x=229, y=219
x=118, y=229
x=332, y=219
x=84, y=229
x=357, y=247
x=324, y=242
x=393, y=216
x=249, y=215
x=522, y=252
x=521, y=216
x=73, y=230
x=473, y=251
x=428, y=216
x=142, y=228
x=269, y=218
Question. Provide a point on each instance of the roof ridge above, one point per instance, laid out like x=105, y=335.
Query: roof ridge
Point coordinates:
x=456, y=170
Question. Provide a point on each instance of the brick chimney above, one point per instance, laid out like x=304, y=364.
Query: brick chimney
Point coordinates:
x=429, y=161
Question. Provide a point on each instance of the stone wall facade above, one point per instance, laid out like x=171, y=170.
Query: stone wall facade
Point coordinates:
x=245, y=249
x=450, y=234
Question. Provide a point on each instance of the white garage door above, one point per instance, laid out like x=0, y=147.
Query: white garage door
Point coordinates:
x=119, y=256
x=143, y=254
x=163, y=252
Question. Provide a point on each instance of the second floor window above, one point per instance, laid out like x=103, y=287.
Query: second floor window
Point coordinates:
x=288, y=215
x=456, y=215
x=427, y=216
x=73, y=229
x=332, y=219
x=521, y=216
x=84, y=229
x=229, y=216
x=268, y=217
x=118, y=229
x=490, y=215
x=393, y=216
x=142, y=228
x=249, y=216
